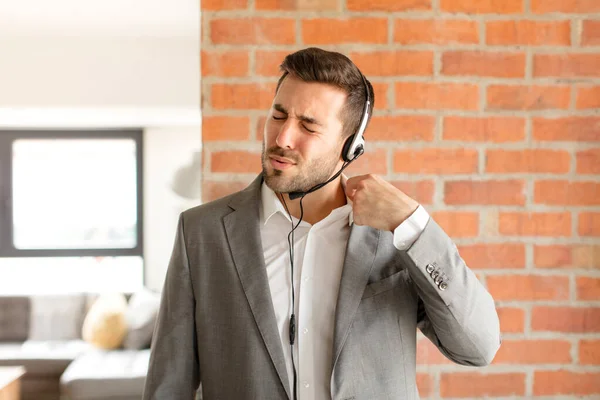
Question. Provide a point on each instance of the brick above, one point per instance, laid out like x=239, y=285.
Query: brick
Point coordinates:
x=589, y=352
x=512, y=320
x=484, y=129
x=436, y=161
x=253, y=31
x=528, y=33
x=589, y=224
x=380, y=90
x=458, y=223
x=437, y=96
x=566, y=319
x=267, y=62
x=588, y=288
x=428, y=354
x=424, y=384
x=547, y=383
x=588, y=97
x=482, y=6
x=225, y=128
x=260, y=127
x=527, y=161
x=528, y=287
x=388, y=5
x=224, y=63
x=212, y=190
x=509, y=192
x=345, y=30
x=436, y=31
x=401, y=128
x=374, y=161
x=235, y=161
x=421, y=191
x=300, y=5
x=588, y=161
x=566, y=256
x=394, y=63
x=552, y=256
x=483, y=63
x=565, y=6
x=566, y=65
x=586, y=256
x=242, y=95
x=535, y=223
x=553, y=192
x=575, y=129
x=590, y=36
x=479, y=385
x=521, y=97
x=493, y=255
x=538, y=351
x=218, y=5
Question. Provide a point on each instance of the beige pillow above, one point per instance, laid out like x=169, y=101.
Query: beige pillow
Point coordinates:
x=105, y=325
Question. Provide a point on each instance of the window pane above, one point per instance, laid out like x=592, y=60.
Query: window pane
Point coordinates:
x=74, y=193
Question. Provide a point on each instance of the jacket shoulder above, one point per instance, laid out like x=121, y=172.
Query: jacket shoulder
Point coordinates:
x=212, y=210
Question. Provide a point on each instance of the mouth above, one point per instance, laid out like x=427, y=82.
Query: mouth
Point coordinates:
x=280, y=162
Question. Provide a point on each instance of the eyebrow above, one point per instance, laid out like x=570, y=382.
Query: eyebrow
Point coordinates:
x=304, y=118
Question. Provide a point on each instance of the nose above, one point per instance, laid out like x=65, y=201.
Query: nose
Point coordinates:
x=286, y=136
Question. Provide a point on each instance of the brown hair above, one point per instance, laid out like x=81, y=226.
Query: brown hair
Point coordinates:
x=317, y=65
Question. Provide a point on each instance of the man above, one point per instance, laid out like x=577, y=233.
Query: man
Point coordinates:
x=369, y=267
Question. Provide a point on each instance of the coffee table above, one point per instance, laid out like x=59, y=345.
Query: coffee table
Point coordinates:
x=10, y=382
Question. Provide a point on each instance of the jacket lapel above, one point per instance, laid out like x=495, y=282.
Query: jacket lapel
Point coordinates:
x=360, y=256
x=243, y=235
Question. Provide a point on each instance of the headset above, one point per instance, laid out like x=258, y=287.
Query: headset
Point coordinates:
x=353, y=148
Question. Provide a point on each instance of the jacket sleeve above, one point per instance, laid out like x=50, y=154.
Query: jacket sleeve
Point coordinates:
x=173, y=371
x=455, y=310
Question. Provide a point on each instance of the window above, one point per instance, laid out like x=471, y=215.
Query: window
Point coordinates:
x=73, y=195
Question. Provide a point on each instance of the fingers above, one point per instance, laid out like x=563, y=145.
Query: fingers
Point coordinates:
x=352, y=183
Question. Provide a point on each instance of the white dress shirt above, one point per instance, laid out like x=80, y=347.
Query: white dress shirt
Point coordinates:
x=319, y=252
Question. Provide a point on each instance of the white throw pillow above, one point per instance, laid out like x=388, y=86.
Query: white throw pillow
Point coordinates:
x=141, y=317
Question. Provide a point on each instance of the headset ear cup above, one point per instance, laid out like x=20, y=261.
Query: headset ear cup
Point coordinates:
x=346, y=148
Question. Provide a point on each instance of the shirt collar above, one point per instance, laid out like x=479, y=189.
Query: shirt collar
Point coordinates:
x=271, y=204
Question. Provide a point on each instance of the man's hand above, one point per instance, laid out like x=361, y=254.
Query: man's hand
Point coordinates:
x=378, y=203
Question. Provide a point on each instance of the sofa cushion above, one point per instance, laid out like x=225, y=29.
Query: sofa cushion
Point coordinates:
x=141, y=314
x=14, y=318
x=57, y=317
x=102, y=374
x=42, y=358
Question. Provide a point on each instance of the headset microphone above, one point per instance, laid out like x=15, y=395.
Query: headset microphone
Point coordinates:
x=297, y=195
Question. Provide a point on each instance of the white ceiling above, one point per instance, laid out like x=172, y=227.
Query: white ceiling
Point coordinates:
x=100, y=17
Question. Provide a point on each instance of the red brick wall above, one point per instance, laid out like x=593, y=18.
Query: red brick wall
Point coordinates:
x=487, y=112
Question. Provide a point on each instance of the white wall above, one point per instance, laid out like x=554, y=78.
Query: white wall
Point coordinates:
x=167, y=151
x=54, y=71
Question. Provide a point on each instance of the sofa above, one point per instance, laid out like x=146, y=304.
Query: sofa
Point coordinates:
x=47, y=335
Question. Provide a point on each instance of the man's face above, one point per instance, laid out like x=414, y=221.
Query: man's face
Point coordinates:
x=303, y=135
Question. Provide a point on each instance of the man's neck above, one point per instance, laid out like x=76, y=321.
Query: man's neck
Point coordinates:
x=318, y=204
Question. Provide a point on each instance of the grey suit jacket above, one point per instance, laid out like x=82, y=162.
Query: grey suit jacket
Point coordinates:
x=216, y=324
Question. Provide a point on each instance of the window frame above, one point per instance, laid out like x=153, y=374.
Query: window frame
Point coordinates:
x=7, y=137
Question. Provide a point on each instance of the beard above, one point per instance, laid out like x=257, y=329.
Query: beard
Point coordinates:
x=308, y=174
